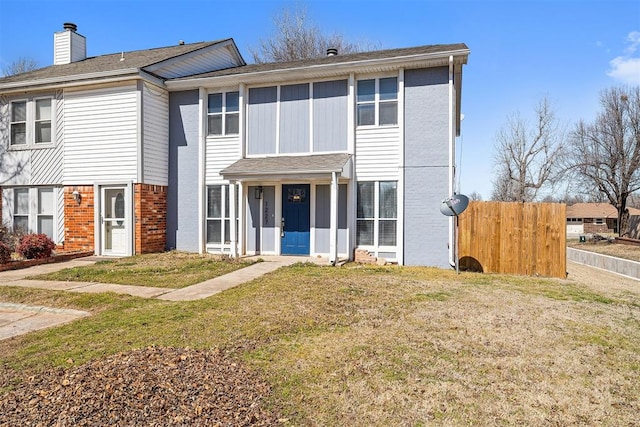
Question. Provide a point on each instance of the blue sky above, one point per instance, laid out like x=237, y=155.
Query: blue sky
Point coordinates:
x=521, y=51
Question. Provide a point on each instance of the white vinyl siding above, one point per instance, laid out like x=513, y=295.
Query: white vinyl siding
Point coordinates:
x=156, y=135
x=69, y=46
x=101, y=135
x=220, y=153
x=196, y=63
x=378, y=153
x=47, y=162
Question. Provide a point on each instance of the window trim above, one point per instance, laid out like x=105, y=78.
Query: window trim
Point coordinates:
x=40, y=214
x=225, y=218
x=30, y=123
x=376, y=219
x=32, y=213
x=223, y=114
x=377, y=101
x=36, y=120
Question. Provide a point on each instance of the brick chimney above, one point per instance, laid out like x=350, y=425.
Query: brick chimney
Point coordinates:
x=68, y=45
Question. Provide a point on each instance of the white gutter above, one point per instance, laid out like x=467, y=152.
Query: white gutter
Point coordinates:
x=302, y=70
x=452, y=155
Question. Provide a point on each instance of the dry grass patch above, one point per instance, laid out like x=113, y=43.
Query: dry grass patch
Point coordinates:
x=618, y=250
x=163, y=270
x=379, y=346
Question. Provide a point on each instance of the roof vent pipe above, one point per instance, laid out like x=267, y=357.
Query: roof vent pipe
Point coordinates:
x=332, y=51
x=70, y=26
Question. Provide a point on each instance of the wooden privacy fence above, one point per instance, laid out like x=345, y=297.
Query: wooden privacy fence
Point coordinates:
x=513, y=238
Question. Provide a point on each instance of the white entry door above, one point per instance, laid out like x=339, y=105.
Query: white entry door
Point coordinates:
x=114, y=221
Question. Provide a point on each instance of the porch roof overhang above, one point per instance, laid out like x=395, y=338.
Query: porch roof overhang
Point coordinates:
x=288, y=167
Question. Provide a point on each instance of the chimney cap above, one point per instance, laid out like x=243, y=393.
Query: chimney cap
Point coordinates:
x=332, y=51
x=70, y=26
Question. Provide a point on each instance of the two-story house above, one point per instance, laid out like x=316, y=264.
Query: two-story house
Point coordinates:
x=187, y=147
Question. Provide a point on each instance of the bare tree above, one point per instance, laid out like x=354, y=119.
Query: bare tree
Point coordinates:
x=297, y=37
x=605, y=154
x=527, y=156
x=475, y=196
x=20, y=65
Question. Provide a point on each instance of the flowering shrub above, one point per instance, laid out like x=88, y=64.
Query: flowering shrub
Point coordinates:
x=5, y=253
x=34, y=246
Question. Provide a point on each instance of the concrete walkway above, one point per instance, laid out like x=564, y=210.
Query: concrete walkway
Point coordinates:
x=16, y=319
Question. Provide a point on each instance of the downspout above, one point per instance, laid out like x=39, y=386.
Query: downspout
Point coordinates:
x=333, y=226
x=201, y=167
x=452, y=156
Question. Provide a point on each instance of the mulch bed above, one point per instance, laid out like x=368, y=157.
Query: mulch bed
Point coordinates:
x=151, y=387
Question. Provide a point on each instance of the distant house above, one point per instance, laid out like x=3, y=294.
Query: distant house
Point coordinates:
x=584, y=218
x=187, y=147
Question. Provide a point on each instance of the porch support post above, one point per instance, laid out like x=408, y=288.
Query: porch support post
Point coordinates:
x=333, y=226
x=232, y=218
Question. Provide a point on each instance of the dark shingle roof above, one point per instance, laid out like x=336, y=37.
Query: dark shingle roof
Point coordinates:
x=335, y=59
x=105, y=63
x=290, y=165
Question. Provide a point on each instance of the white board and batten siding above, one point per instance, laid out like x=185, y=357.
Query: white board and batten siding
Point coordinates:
x=156, y=135
x=220, y=153
x=101, y=136
x=378, y=153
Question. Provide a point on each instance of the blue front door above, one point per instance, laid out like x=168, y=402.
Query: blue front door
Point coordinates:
x=295, y=220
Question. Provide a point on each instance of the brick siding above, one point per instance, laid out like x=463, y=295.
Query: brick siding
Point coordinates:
x=150, y=205
x=609, y=226
x=79, y=219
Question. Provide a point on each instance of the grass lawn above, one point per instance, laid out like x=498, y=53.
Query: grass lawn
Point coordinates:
x=382, y=346
x=163, y=270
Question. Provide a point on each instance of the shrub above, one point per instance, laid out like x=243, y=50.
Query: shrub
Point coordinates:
x=34, y=246
x=11, y=237
x=5, y=253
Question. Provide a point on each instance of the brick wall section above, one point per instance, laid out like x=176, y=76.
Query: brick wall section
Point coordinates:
x=608, y=227
x=150, y=205
x=363, y=256
x=78, y=219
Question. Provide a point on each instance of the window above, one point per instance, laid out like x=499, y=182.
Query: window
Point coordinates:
x=45, y=211
x=377, y=102
x=33, y=210
x=598, y=221
x=377, y=216
x=43, y=121
x=19, y=123
x=21, y=209
x=218, y=215
x=223, y=113
x=31, y=122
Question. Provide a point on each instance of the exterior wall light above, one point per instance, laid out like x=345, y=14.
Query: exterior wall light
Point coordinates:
x=258, y=192
x=77, y=196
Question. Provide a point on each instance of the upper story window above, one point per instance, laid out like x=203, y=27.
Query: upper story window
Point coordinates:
x=223, y=113
x=31, y=122
x=377, y=102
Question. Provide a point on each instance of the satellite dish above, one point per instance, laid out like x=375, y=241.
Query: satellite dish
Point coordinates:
x=454, y=205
